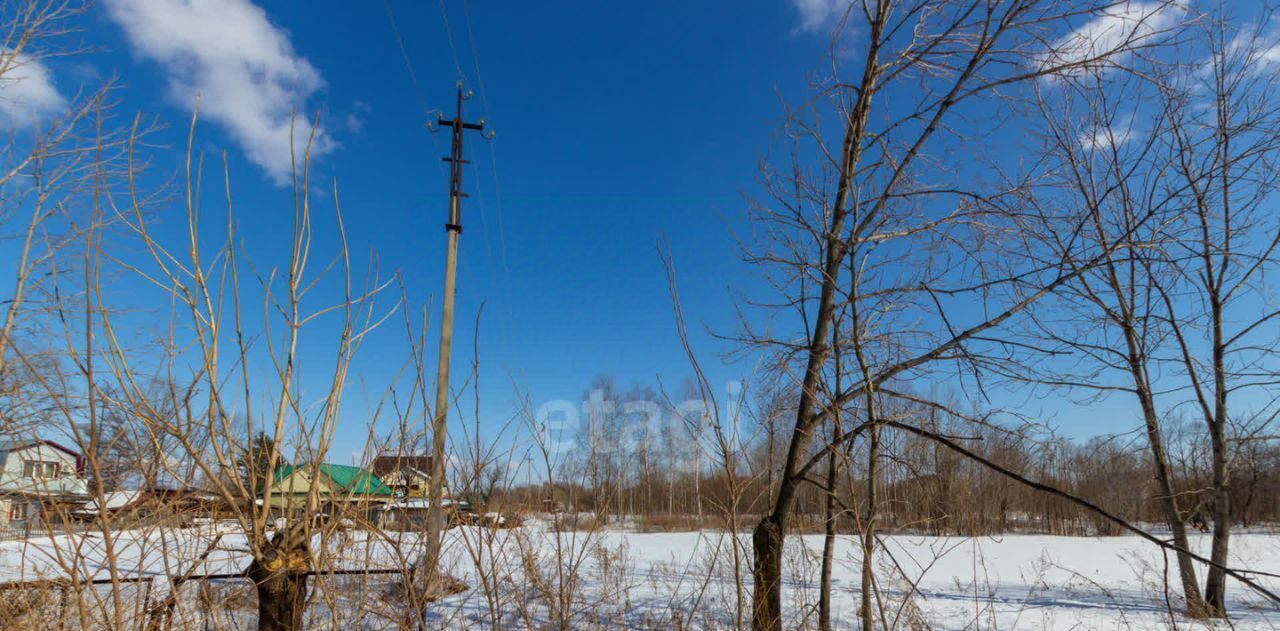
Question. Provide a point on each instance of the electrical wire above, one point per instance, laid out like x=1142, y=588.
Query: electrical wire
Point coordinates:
x=484, y=105
x=413, y=78
x=444, y=14
x=493, y=152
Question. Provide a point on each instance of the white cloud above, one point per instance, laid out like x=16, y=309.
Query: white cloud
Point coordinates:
x=27, y=93
x=1254, y=49
x=246, y=73
x=1114, y=133
x=817, y=16
x=1105, y=138
x=1115, y=28
x=356, y=117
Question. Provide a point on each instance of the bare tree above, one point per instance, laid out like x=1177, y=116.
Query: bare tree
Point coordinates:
x=1108, y=318
x=1224, y=141
x=878, y=239
x=222, y=414
x=57, y=151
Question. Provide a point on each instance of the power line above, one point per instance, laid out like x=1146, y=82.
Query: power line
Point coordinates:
x=484, y=103
x=413, y=76
x=444, y=14
x=493, y=152
x=475, y=56
x=404, y=54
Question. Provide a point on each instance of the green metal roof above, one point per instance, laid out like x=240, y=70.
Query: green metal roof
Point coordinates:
x=283, y=471
x=353, y=480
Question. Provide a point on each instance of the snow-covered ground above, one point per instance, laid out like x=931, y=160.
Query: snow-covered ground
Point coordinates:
x=533, y=577
x=1014, y=581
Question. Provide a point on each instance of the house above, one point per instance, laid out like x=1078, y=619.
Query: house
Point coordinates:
x=36, y=475
x=290, y=486
x=332, y=483
x=406, y=475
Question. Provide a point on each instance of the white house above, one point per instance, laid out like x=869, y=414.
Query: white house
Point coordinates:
x=34, y=474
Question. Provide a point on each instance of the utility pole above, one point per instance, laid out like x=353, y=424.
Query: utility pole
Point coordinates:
x=439, y=428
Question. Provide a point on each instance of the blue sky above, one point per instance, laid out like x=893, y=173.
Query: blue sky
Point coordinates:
x=618, y=124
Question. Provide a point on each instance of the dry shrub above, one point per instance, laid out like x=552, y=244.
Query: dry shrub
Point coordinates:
x=899, y=597
x=678, y=523
x=613, y=565
x=510, y=520
x=227, y=595
x=579, y=522
x=28, y=607
x=810, y=524
x=553, y=578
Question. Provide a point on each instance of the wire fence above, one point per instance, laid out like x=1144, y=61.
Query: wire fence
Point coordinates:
x=30, y=529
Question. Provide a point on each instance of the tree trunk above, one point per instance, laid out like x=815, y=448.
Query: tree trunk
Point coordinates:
x=869, y=531
x=768, y=538
x=1168, y=500
x=766, y=575
x=828, y=547
x=282, y=598
x=769, y=535
x=1186, y=569
x=1215, y=584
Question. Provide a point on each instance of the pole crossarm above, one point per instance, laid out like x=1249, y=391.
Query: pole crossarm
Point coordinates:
x=457, y=127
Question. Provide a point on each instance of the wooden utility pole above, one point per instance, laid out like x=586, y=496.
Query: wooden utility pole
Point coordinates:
x=439, y=428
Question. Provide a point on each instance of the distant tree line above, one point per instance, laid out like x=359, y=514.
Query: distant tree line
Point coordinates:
x=624, y=466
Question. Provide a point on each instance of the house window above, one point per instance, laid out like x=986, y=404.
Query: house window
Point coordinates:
x=37, y=469
x=18, y=512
